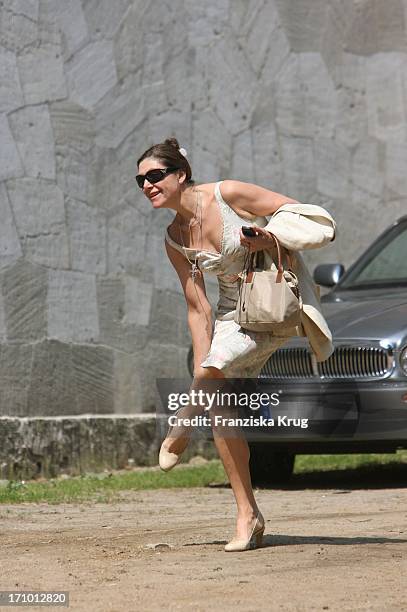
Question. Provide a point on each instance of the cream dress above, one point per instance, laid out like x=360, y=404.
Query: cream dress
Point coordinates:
x=237, y=352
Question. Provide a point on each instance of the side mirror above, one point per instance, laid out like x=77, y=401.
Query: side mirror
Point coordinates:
x=328, y=275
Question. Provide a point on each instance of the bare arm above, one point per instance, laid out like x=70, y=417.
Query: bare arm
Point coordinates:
x=252, y=199
x=199, y=308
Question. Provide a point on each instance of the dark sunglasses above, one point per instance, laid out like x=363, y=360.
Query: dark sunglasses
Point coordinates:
x=154, y=176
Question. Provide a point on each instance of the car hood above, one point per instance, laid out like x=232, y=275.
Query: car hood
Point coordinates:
x=374, y=318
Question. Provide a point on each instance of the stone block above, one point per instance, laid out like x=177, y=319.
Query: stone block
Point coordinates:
x=304, y=23
x=260, y=33
x=128, y=384
x=299, y=168
x=162, y=273
x=72, y=307
x=169, y=313
x=351, y=116
x=39, y=214
x=375, y=26
x=51, y=390
x=74, y=31
x=350, y=72
x=15, y=373
x=305, y=97
x=74, y=172
x=242, y=157
x=31, y=127
x=232, y=88
x=128, y=50
x=11, y=95
x=120, y=111
x=114, y=330
x=10, y=248
x=87, y=237
x=24, y=287
x=3, y=328
x=92, y=379
x=73, y=126
x=28, y=8
x=396, y=160
x=126, y=235
x=368, y=166
x=333, y=165
x=42, y=73
x=17, y=30
x=48, y=25
x=138, y=297
x=212, y=146
x=205, y=21
x=277, y=54
x=268, y=169
x=385, y=96
x=91, y=73
x=104, y=17
x=10, y=162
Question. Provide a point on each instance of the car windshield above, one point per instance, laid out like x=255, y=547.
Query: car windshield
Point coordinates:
x=385, y=263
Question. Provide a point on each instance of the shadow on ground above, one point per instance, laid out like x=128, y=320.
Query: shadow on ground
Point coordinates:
x=389, y=476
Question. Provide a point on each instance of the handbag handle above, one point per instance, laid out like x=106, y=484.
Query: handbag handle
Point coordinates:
x=280, y=268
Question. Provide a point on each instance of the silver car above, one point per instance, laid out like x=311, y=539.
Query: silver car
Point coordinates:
x=356, y=401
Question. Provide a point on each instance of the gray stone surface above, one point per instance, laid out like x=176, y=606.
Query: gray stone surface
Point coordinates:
x=31, y=127
x=385, y=96
x=87, y=237
x=304, y=22
x=73, y=127
x=10, y=162
x=91, y=73
x=114, y=330
x=11, y=96
x=38, y=208
x=24, y=287
x=72, y=306
x=18, y=28
x=15, y=375
x=74, y=31
x=10, y=248
x=42, y=73
x=120, y=112
x=307, y=98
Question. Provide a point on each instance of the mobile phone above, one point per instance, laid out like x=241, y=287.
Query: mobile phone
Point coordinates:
x=250, y=232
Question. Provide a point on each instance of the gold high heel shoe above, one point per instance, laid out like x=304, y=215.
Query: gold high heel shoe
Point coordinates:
x=255, y=538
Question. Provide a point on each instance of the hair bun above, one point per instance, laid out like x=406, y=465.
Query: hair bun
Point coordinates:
x=172, y=142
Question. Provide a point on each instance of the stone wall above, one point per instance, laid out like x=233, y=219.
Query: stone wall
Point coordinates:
x=306, y=97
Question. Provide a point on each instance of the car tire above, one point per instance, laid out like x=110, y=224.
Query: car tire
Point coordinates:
x=269, y=467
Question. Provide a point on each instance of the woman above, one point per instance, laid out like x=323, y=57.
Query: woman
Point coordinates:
x=206, y=236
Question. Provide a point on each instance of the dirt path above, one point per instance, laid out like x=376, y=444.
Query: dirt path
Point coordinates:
x=325, y=549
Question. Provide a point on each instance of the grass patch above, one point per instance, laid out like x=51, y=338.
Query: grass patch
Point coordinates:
x=324, y=463
x=106, y=487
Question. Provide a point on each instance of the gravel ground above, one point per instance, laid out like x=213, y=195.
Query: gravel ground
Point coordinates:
x=325, y=549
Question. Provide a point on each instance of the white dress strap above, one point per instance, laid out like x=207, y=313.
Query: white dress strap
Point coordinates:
x=172, y=242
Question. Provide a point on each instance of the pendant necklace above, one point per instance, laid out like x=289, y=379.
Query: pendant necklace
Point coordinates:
x=196, y=220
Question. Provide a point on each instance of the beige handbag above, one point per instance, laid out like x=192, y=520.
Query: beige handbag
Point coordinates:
x=269, y=298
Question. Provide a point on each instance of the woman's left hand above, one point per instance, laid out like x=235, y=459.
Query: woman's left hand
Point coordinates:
x=263, y=240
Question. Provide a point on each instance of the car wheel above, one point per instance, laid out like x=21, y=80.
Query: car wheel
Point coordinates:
x=269, y=467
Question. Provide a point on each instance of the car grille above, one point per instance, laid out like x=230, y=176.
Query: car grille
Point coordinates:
x=352, y=362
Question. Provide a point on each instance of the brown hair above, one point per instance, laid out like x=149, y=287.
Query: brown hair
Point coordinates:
x=168, y=152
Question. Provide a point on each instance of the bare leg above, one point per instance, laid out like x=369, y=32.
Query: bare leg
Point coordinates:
x=234, y=452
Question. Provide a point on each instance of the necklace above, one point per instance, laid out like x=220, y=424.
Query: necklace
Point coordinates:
x=196, y=220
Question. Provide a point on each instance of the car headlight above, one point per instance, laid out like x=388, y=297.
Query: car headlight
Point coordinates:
x=403, y=360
